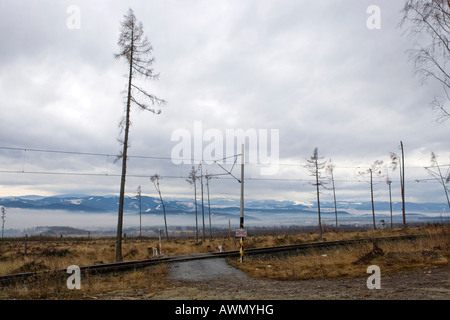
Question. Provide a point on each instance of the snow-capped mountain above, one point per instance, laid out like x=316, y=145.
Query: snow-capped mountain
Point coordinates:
x=152, y=204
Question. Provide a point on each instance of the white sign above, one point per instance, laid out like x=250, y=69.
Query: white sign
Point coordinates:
x=241, y=233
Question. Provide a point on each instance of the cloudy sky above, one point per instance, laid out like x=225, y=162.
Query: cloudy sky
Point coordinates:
x=311, y=72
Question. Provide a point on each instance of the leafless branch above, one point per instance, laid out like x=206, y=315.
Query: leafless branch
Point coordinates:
x=429, y=22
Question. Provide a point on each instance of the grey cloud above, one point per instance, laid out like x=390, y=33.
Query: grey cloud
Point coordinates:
x=313, y=71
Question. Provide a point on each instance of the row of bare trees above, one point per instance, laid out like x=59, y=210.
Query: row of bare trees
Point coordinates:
x=195, y=175
x=315, y=165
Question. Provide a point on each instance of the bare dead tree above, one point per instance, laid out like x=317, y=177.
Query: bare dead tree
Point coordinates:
x=137, y=51
x=428, y=22
x=399, y=161
x=389, y=182
x=3, y=210
x=435, y=170
x=330, y=171
x=208, y=177
x=314, y=165
x=374, y=169
x=155, y=179
x=192, y=180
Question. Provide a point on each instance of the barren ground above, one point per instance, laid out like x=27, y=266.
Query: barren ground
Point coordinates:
x=214, y=279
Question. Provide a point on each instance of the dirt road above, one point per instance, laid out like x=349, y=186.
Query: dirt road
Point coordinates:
x=215, y=279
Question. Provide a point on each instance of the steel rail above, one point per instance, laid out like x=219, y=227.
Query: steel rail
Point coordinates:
x=138, y=264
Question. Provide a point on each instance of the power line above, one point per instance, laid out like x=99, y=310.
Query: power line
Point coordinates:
x=223, y=177
x=192, y=160
x=141, y=175
x=82, y=153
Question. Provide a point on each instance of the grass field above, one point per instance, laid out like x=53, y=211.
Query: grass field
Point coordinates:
x=57, y=253
x=353, y=260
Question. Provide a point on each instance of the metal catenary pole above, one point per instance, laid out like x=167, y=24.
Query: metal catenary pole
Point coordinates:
x=3, y=209
x=203, y=204
x=209, y=205
x=242, y=204
x=402, y=182
x=390, y=197
x=140, y=211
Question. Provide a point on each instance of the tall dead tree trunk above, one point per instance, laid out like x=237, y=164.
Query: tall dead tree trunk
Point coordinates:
x=436, y=172
x=124, y=157
x=330, y=170
x=388, y=181
x=397, y=161
x=155, y=179
x=192, y=179
x=137, y=51
x=314, y=166
x=373, y=169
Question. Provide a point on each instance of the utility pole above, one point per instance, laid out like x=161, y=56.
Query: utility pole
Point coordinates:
x=402, y=181
x=203, y=205
x=209, y=205
x=241, y=232
x=241, y=251
x=318, y=198
x=371, y=197
x=140, y=211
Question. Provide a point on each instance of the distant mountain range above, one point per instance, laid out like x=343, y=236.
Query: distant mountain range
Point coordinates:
x=153, y=205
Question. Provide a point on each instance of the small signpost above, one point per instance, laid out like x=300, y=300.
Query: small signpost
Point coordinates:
x=241, y=233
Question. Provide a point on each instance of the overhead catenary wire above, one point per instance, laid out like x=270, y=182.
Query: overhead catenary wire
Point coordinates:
x=226, y=175
x=192, y=160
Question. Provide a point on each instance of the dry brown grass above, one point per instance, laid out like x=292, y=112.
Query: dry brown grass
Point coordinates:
x=54, y=286
x=338, y=262
x=431, y=250
x=58, y=254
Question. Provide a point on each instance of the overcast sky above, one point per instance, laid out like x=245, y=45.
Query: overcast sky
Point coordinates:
x=312, y=71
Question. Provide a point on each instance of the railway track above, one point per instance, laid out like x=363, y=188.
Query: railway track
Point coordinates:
x=138, y=264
